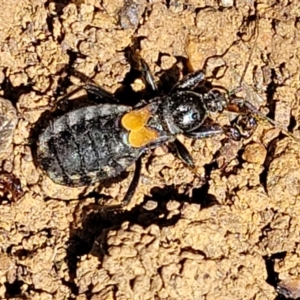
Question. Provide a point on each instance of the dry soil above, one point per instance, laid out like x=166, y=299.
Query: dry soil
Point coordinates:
x=230, y=230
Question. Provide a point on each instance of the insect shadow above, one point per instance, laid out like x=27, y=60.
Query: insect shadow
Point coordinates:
x=91, y=237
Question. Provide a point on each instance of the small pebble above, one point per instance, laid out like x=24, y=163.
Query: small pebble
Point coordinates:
x=150, y=205
x=131, y=13
x=255, y=153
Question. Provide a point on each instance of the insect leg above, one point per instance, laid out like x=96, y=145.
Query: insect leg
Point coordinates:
x=91, y=89
x=134, y=183
x=182, y=153
x=140, y=65
x=205, y=131
x=242, y=129
x=147, y=75
x=129, y=194
x=100, y=92
x=190, y=81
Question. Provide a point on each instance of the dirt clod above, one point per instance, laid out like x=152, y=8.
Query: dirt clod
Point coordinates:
x=255, y=153
x=131, y=13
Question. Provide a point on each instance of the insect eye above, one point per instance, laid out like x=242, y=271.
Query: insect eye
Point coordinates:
x=195, y=116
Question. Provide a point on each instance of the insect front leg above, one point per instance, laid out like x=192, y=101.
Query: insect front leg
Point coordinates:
x=147, y=75
x=244, y=128
x=205, y=131
x=190, y=81
x=140, y=65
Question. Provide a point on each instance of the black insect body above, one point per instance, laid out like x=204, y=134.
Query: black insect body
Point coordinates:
x=98, y=142
x=85, y=146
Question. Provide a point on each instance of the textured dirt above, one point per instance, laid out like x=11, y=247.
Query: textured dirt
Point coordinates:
x=231, y=231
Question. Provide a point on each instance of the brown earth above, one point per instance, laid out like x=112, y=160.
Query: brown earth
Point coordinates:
x=224, y=233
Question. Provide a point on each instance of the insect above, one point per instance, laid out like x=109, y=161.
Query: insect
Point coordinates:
x=10, y=184
x=101, y=141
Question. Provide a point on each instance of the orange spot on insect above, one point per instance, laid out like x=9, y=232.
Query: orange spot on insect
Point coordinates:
x=142, y=137
x=136, y=119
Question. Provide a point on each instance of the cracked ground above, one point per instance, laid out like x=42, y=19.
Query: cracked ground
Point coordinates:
x=229, y=231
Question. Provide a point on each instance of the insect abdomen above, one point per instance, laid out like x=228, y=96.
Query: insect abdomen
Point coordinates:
x=83, y=147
